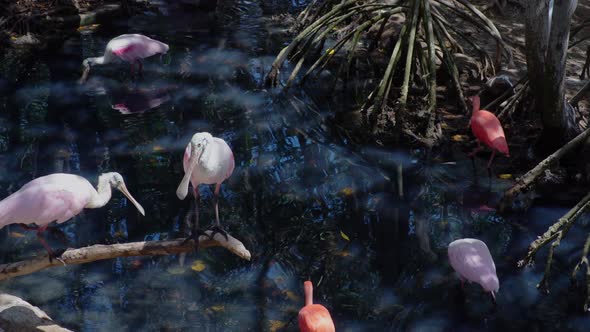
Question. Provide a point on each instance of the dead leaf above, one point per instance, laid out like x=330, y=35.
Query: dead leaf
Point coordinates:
x=459, y=138
x=344, y=236
x=276, y=325
x=198, y=265
x=16, y=234
x=505, y=176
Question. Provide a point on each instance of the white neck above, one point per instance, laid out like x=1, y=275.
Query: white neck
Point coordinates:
x=96, y=61
x=102, y=195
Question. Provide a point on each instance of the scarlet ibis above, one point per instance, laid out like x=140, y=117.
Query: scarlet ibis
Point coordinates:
x=487, y=129
x=472, y=260
x=130, y=48
x=207, y=160
x=59, y=197
x=314, y=317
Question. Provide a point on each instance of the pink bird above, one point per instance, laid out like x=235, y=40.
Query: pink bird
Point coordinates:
x=207, y=160
x=487, y=128
x=58, y=197
x=472, y=260
x=130, y=48
x=314, y=317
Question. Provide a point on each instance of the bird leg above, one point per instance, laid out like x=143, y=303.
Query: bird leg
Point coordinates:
x=491, y=159
x=131, y=67
x=195, y=230
x=217, y=228
x=476, y=150
x=52, y=254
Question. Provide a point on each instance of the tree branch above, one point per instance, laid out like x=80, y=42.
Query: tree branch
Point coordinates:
x=526, y=180
x=102, y=252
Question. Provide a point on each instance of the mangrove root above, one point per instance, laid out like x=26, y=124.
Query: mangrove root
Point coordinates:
x=525, y=181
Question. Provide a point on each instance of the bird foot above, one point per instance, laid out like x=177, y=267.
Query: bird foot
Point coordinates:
x=218, y=229
x=56, y=254
x=195, y=236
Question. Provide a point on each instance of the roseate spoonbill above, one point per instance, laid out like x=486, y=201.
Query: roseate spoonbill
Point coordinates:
x=207, y=160
x=472, y=260
x=58, y=197
x=487, y=129
x=314, y=317
x=130, y=48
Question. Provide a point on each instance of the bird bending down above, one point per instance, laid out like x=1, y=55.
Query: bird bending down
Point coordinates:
x=487, y=129
x=131, y=48
x=207, y=160
x=314, y=317
x=472, y=260
x=58, y=197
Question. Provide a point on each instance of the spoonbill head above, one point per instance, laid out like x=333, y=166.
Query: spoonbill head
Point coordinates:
x=314, y=317
x=472, y=260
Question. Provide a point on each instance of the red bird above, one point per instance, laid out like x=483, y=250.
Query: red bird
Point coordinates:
x=487, y=128
x=314, y=317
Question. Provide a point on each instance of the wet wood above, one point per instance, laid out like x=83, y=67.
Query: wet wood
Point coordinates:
x=102, y=252
x=525, y=181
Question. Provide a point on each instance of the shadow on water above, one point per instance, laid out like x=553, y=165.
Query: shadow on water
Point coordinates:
x=370, y=225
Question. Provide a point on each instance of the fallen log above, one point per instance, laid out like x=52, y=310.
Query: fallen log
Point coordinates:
x=102, y=252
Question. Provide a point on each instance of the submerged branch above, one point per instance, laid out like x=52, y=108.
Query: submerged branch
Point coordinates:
x=102, y=252
x=554, y=233
x=527, y=180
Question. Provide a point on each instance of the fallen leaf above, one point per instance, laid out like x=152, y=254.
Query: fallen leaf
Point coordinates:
x=344, y=236
x=217, y=308
x=158, y=148
x=291, y=296
x=459, y=138
x=276, y=325
x=344, y=254
x=505, y=176
x=347, y=191
x=198, y=265
x=330, y=51
x=16, y=234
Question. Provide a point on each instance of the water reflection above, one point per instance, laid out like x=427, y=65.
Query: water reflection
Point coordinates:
x=370, y=225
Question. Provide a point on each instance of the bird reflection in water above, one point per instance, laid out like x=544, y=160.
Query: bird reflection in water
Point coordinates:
x=139, y=100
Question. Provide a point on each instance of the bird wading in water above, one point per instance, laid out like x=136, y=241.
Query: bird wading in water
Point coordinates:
x=488, y=130
x=472, y=260
x=207, y=160
x=58, y=197
x=130, y=48
x=314, y=317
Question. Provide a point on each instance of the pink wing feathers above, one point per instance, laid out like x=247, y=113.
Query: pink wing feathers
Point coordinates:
x=487, y=128
x=131, y=47
x=472, y=260
x=56, y=197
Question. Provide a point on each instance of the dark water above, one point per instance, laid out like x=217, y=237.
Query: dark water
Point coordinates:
x=305, y=202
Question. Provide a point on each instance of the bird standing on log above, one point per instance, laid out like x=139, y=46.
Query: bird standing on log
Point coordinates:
x=207, y=160
x=58, y=197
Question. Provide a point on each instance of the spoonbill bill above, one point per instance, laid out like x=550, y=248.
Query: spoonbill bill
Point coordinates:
x=487, y=129
x=314, y=317
x=131, y=48
x=58, y=197
x=472, y=260
x=207, y=160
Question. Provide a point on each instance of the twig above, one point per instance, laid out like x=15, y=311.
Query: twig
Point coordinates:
x=584, y=261
x=554, y=233
x=585, y=89
x=102, y=252
x=526, y=180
